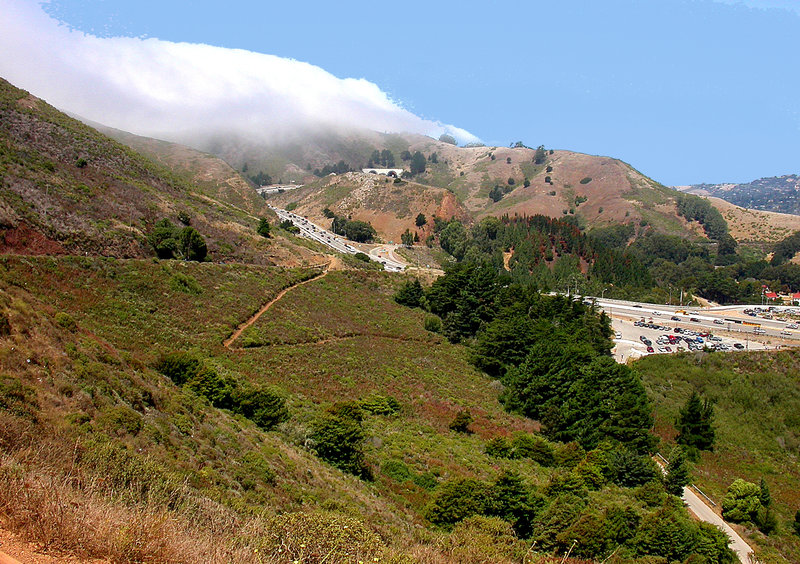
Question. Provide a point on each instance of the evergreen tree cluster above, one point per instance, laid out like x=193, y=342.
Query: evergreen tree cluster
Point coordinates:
x=550, y=352
x=564, y=515
x=170, y=242
x=381, y=159
x=695, y=208
x=546, y=250
x=359, y=231
x=339, y=168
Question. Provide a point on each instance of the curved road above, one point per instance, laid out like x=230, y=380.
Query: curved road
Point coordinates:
x=703, y=512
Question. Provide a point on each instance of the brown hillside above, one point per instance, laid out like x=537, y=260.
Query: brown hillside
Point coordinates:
x=390, y=208
x=756, y=226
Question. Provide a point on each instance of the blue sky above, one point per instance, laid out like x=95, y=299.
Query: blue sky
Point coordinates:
x=686, y=91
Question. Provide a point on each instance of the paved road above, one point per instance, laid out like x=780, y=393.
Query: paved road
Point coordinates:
x=705, y=513
x=340, y=244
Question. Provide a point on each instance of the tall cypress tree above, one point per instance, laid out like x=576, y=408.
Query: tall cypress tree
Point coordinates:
x=695, y=424
x=677, y=472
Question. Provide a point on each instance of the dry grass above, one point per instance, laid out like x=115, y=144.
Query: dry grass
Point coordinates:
x=46, y=497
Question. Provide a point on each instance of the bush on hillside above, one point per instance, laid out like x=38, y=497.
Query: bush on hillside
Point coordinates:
x=263, y=406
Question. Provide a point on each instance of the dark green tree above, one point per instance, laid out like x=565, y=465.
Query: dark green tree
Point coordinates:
x=163, y=239
x=462, y=421
x=407, y=238
x=420, y=221
x=447, y=138
x=540, y=155
x=764, y=496
x=263, y=406
x=695, y=425
x=418, y=163
x=338, y=438
x=192, y=245
x=263, y=227
x=677, y=472
x=410, y=294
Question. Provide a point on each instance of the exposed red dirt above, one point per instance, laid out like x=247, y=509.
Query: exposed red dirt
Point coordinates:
x=23, y=240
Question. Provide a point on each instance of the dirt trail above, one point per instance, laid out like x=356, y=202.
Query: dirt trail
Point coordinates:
x=236, y=334
x=14, y=550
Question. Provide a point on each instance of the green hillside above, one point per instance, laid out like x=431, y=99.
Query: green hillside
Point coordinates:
x=186, y=467
x=66, y=188
x=757, y=421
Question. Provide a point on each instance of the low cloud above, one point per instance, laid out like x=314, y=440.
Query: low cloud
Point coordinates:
x=178, y=90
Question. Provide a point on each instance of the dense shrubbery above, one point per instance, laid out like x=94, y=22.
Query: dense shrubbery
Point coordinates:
x=550, y=352
x=263, y=406
x=170, y=242
x=338, y=437
x=360, y=231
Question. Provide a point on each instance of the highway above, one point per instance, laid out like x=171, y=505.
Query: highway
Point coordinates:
x=312, y=231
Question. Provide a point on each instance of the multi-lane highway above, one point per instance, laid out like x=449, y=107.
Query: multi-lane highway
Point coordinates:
x=312, y=231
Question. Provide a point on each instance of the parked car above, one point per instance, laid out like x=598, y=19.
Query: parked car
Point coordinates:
x=718, y=322
x=650, y=350
x=675, y=318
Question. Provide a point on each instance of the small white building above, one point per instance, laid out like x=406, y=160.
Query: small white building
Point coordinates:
x=394, y=172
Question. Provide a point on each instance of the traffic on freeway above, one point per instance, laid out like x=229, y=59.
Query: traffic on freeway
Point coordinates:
x=336, y=242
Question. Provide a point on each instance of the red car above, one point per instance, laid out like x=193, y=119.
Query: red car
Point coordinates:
x=650, y=349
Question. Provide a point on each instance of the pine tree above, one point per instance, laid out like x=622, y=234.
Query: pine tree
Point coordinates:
x=677, y=472
x=695, y=429
x=764, y=496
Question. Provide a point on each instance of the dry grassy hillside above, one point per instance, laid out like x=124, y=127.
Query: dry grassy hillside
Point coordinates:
x=68, y=189
x=756, y=226
x=390, y=207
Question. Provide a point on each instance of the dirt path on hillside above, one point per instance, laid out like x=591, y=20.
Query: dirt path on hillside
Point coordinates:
x=14, y=550
x=236, y=334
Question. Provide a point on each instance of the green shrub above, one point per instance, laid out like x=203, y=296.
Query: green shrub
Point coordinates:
x=179, y=367
x=338, y=438
x=586, y=180
x=181, y=282
x=462, y=421
x=432, y=323
x=426, y=480
x=456, y=500
x=81, y=162
x=66, y=321
x=362, y=256
x=741, y=502
x=396, y=470
x=184, y=217
x=263, y=406
x=120, y=420
x=536, y=448
x=17, y=398
x=163, y=239
x=499, y=447
x=291, y=207
x=208, y=384
x=380, y=405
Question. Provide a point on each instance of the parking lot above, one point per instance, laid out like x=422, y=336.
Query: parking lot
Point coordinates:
x=634, y=338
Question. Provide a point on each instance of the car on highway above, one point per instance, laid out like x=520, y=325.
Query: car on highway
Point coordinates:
x=759, y=331
x=718, y=322
x=739, y=346
x=694, y=320
x=675, y=318
x=792, y=326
